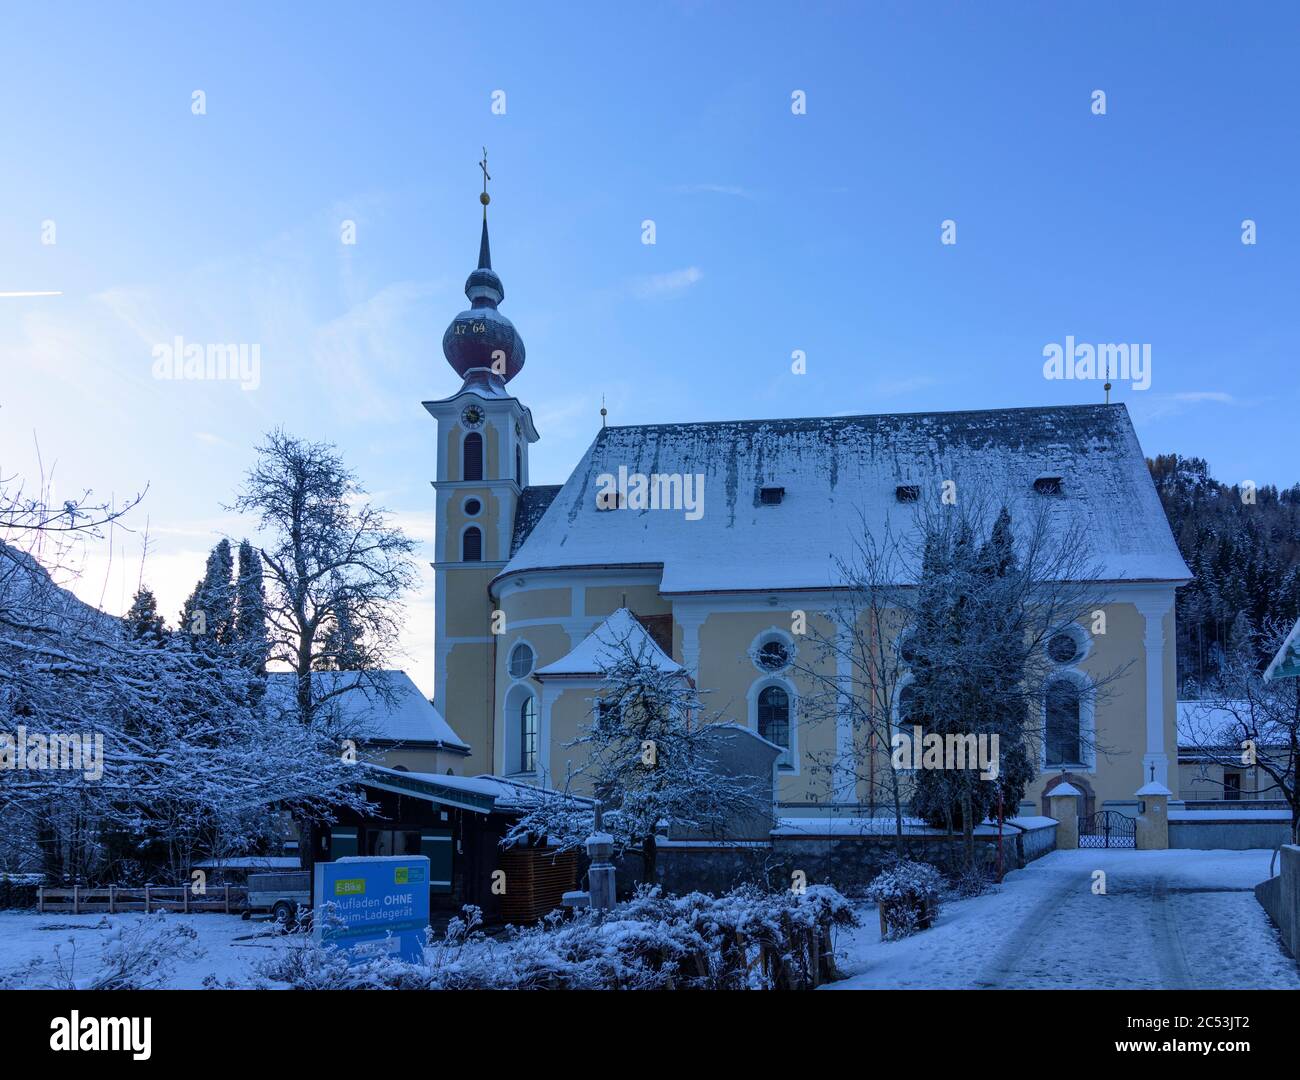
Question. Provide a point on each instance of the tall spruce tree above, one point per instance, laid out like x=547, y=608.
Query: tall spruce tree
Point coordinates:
x=250, y=633
x=975, y=636
x=142, y=621
x=207, y=619
x=1004, y=635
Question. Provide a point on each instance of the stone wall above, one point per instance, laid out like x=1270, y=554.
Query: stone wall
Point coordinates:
x=846, y=862
x=692, y=867
x=1037, y=842
x=1280, y=897
x=1226, y=833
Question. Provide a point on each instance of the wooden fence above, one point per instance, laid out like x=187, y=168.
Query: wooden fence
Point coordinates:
x=227, y=899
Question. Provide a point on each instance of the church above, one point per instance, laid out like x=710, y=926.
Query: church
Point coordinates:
x=525, y=573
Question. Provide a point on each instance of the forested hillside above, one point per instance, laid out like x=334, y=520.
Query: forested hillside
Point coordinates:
x=1244, y=548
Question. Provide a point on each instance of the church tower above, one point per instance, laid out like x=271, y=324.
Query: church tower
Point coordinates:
x=482, y=469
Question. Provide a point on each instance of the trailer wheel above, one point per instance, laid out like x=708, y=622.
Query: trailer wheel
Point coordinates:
x=285, y=914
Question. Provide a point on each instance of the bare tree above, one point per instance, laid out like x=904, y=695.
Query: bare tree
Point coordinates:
x=336, y=569
x=1245, y=721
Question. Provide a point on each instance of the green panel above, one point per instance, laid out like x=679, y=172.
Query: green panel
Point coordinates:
x=343, y=842
x=437, y=844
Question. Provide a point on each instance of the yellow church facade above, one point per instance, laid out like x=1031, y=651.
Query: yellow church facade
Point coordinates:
x=525, y=573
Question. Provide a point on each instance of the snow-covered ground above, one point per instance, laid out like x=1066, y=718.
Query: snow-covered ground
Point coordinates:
x=1168, y=919
x=230, y=945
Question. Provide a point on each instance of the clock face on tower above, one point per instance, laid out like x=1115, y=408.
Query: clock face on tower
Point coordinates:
x=472, y=416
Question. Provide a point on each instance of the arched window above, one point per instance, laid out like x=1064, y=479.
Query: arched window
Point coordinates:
x=472, y=457
x=904, y=720
x=521, y=661
x=471, y=545
x=774, y=720
x=609, y=714
x=905, y=644
x=519, y=467
x=1064, y=736
x=905, y=699
x=528, y=734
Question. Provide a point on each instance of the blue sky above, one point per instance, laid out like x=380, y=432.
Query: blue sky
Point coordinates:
x=775, y=232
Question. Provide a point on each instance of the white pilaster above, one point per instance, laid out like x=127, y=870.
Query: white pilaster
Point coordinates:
x=690, y=622
x=550, y=694
x=1153, y=642
x=843, y=788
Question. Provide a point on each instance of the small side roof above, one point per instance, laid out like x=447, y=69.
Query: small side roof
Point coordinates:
x=1153, y=787
x=599, y=650
x=1063, y=789
x=250, y=862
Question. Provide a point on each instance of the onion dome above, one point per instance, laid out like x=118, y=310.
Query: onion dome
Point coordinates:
x=482, y=339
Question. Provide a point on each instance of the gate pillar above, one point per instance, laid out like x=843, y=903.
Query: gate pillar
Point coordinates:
x=1153, y=821
x=1064, y=804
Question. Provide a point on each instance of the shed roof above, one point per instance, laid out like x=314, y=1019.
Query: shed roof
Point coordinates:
x=384, y=706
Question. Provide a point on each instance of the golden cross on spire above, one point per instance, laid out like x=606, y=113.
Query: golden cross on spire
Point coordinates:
x=485, y=198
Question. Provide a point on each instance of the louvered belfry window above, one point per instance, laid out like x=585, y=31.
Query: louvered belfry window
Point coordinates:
x=473, y=457
x=471, y=545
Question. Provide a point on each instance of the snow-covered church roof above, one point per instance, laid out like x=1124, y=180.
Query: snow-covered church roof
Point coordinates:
x=839, y=473
x=601, y=649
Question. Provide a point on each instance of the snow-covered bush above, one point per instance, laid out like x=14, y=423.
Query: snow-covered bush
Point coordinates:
x=908, y=895
x=972, y=881
x=136, y=955
x=742, y=940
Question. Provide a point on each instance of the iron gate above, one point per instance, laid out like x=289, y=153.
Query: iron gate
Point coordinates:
x=1108, y=829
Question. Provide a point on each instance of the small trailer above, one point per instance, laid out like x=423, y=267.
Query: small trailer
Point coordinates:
x=282, y=895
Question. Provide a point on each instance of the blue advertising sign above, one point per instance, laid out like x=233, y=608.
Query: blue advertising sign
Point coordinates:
x=373, y=905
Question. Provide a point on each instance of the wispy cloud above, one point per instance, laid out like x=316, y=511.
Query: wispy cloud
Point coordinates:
x=733, y=190
x=1149, y=407
x=901, y=387
x=1195, y=397
x=669, y=283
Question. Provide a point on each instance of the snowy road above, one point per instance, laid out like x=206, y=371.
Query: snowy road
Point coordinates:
x=1167, y=919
